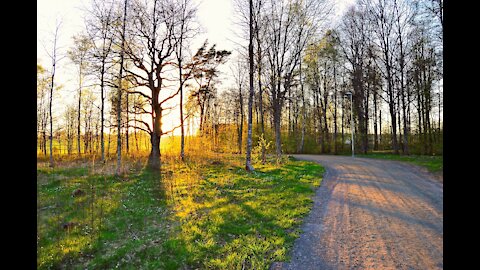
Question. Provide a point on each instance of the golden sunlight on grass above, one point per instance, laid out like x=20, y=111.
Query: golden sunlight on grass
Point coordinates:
x=207, y=212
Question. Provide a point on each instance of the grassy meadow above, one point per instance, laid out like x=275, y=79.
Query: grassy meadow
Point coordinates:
x=205, y=213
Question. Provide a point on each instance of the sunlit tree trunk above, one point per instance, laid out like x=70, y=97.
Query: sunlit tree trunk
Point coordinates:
x=154, y=159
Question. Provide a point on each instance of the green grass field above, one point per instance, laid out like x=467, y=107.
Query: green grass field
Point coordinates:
x=214, y=215
x=433, y=163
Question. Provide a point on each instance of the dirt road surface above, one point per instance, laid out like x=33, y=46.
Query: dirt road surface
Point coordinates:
x=371, y=214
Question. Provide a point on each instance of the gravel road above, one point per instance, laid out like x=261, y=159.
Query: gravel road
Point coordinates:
x=371, y=214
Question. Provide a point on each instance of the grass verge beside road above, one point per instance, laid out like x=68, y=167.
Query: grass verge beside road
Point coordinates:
x=213, y=215
x=434, y=164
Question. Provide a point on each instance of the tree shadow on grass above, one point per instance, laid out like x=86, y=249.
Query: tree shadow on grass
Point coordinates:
x=246, y=221
x=96, y=228
x=249, y=223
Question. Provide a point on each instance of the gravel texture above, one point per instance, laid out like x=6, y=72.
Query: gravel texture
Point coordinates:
x=371, y=214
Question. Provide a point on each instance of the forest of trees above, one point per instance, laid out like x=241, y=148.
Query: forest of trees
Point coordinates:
x=134, y=67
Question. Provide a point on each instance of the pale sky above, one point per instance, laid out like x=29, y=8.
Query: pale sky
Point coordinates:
x=215, y=17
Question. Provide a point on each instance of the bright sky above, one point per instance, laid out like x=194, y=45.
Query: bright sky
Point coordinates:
x=215, y=17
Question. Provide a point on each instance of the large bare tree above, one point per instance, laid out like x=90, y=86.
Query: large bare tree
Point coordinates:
x=151, y=46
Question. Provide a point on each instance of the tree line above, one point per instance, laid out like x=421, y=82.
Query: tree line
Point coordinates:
x=134, y=66
x=386, y=54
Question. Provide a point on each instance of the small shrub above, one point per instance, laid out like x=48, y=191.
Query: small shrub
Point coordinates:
x=257, y=150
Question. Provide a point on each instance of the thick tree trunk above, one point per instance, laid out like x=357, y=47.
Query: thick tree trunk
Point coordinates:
x=154, y=159
x=155, y=156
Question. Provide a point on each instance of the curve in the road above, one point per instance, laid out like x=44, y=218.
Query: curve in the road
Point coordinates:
x=371, y=214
